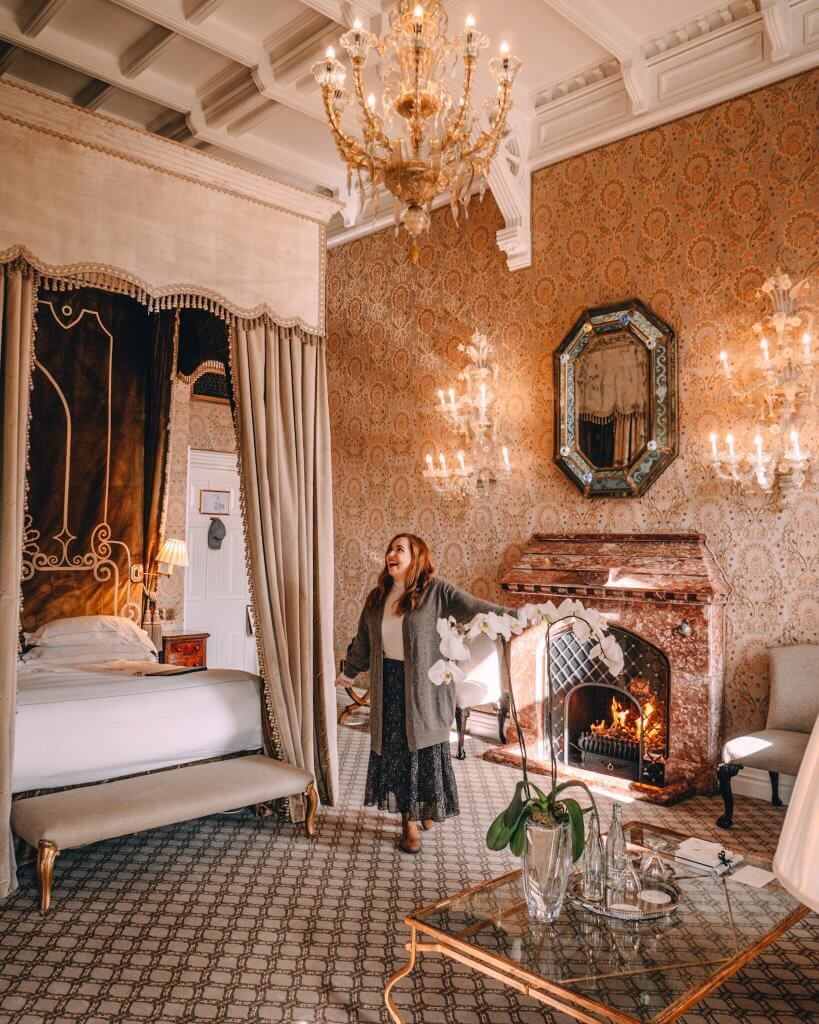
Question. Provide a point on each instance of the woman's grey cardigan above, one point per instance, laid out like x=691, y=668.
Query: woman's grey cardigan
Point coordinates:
x=430, y=709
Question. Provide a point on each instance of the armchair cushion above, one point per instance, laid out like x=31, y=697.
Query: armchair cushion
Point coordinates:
x=485, y=674
x=794, y=679
x=772, y=750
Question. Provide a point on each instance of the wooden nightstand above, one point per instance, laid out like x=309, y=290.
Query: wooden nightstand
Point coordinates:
x=189, y=649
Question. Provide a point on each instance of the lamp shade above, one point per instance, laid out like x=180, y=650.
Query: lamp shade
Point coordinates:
x=797, y=857
x=173, y=552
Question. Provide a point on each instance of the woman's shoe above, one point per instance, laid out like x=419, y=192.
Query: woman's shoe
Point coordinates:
x=428, y=823
x=406, y=845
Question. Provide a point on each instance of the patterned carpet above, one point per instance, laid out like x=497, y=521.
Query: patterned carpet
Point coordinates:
x=234, y=918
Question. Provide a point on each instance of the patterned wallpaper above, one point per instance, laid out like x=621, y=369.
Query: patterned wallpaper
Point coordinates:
x=203, y=426
x=691, y=217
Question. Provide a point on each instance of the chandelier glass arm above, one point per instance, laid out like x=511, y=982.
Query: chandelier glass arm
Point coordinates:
x=349, y=148
x=456, y=127
x=485, y=146
x=375, y=131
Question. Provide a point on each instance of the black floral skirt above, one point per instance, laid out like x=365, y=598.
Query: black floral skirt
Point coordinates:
x=420, y=783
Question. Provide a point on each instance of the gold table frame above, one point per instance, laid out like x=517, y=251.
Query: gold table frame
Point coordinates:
x=424, y=938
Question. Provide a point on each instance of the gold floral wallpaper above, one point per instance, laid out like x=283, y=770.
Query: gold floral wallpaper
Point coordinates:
x=690, y=217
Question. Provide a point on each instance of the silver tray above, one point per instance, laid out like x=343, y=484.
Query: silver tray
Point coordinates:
x=644, y=912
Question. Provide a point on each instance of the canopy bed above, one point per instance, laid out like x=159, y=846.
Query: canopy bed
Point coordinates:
x=142, y=229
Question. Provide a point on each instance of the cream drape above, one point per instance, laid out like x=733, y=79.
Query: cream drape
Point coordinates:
x=283, y=424
x=17, y=295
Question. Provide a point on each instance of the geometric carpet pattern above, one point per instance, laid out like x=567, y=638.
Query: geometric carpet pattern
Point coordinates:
x=236, y=918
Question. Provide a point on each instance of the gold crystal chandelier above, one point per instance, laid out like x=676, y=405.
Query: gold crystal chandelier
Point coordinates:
x=423, y=141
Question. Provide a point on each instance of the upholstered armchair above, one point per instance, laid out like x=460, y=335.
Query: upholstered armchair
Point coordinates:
x=793, y=674
x=486, y=683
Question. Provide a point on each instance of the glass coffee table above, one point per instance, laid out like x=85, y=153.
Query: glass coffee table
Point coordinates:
x=598, y=970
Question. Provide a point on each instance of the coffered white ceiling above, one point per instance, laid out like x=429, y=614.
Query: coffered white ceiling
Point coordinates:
x=232, y=76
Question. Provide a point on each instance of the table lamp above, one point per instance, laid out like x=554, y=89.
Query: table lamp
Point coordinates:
x=797, y=857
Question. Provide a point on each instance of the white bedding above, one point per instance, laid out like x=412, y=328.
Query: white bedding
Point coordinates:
x=76, y=725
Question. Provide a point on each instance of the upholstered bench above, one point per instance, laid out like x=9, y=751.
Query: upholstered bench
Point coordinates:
x=65, y=820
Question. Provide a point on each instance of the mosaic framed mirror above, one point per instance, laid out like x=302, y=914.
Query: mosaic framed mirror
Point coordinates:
x=616, y=400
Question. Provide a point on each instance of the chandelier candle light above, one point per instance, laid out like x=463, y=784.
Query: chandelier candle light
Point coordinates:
x=779, y=385
x=482, y=460
x=439, y=149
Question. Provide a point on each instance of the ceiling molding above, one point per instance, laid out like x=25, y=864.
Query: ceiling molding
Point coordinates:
x=612, y=33
x=197, y=10
x=343, y=12
x=93, y=95
x=145, y=51
x=36, y=15
x=9, y=55
x=777, y=22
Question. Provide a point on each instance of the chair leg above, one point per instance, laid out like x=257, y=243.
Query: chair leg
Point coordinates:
x=725, y=773
x=775, y=789
x=47, y=853
x=461, y=718
x=312, y=806
x=503, y=712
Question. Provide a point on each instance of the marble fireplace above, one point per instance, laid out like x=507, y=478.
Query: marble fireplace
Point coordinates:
x=654, y=731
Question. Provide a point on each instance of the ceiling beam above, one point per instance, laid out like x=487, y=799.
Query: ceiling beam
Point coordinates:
x=595, y=20
x=253, y=118
x=197, y=10
x=93, y=95
x=76, y=54
x=9, y=55
x=38, y=14
x=145, y=51
x=290, y=65
x=88, y=60
x=344, y=12
x=228, y=44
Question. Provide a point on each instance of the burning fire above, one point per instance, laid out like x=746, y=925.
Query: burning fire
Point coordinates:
x=629, y=724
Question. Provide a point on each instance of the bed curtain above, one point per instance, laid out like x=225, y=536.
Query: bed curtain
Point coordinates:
x=283, y=432
x=17, y=297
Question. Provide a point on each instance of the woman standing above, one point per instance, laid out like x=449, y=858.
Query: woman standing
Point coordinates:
x=410, y=768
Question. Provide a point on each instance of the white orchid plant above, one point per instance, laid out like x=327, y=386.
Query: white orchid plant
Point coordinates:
x=529, y=801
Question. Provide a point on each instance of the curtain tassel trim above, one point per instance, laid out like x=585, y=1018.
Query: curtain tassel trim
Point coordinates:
x=111, y=279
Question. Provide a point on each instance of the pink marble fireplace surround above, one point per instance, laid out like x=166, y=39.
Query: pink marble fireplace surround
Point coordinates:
x=666, y=589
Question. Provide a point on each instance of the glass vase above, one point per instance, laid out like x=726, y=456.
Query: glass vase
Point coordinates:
x=546, y=859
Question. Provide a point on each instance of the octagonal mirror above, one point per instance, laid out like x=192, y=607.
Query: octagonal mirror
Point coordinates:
x=616, y=408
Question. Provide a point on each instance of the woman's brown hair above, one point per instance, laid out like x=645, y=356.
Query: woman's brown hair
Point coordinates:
x=419, y=573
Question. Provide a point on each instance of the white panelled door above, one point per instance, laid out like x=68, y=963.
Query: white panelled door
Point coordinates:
x=216, y=590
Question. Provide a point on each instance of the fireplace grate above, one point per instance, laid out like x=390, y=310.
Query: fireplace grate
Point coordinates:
x=645, y=669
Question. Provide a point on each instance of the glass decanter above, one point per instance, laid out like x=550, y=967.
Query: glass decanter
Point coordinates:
x=593, y=864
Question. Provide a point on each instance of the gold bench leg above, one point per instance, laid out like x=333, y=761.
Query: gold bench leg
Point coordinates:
x=312, y=806
x=47, y=853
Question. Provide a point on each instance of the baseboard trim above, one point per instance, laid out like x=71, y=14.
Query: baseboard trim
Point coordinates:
x=755, y=783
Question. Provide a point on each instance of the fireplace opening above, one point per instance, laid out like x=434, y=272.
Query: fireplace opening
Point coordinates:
x=612, y=726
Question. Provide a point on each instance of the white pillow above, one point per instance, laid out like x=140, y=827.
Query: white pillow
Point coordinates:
x=95, y=639
x=114, y=627
x=90, y=653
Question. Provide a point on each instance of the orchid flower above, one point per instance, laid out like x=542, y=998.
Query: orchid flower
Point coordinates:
x=530, y=615
x=610, y=652
x=492, y=624
x=446, y=672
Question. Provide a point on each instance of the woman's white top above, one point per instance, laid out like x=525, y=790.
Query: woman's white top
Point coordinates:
x=392, y=625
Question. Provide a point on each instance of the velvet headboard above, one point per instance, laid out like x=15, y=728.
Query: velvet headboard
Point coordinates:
x=98, y=436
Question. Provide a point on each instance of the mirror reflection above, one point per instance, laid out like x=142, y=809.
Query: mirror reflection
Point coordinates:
x=613, y=388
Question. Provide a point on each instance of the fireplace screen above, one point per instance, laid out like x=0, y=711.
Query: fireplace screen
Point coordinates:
x=612, y=726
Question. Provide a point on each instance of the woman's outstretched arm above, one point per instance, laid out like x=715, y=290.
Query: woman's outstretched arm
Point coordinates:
x=463, y=605
x=358, y=653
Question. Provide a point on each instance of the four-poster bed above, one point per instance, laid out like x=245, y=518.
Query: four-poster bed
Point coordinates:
x=137, y=215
